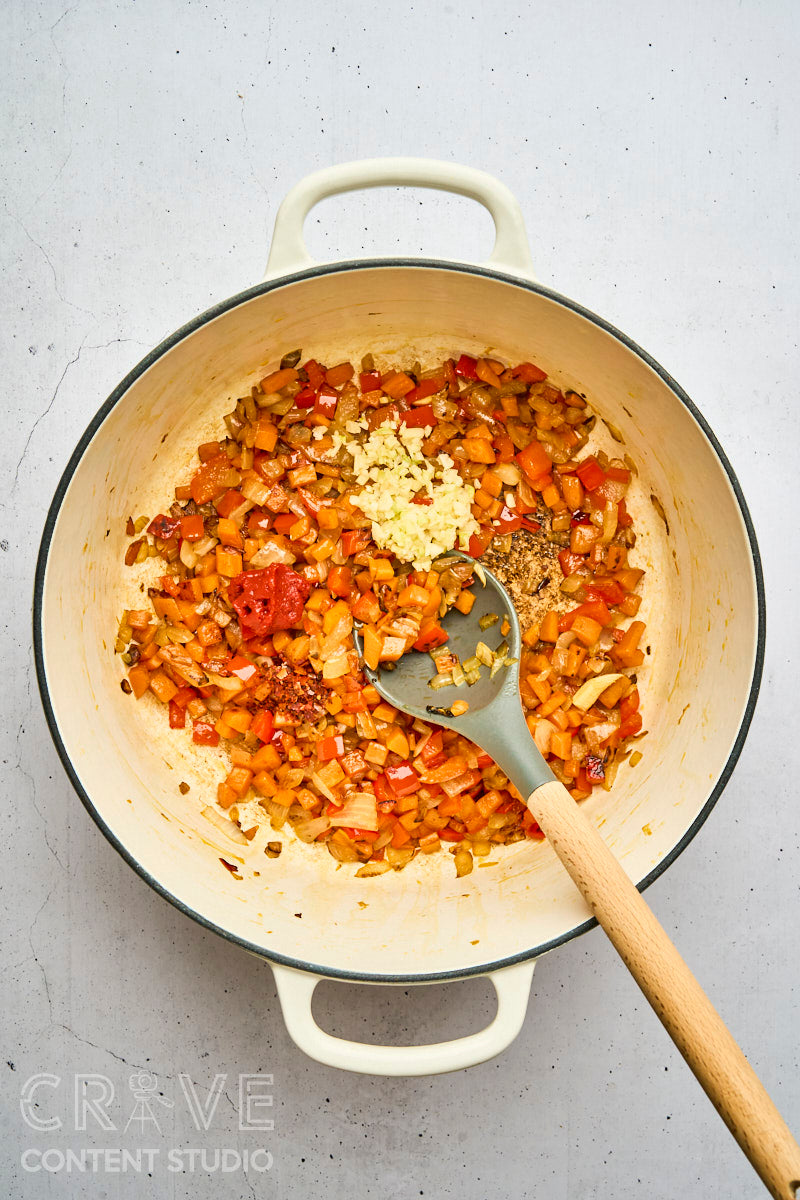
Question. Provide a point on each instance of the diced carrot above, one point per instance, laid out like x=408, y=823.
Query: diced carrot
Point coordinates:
x=139, y=679
x=229, y=534
x=397, y=384
x=229, y=562
x=162, y=686
x=464, y=601
x=336, y=376
x=239, y=780
x=266, y=758
x=208, y=633
x=413, y=597
x=587, y=629
x=479, y=450
x=327, y=517
x=373, y=644
x=226, y=796
x=264, y=783
x=277, y=380
x=548, y=629
x=239, y=719
x=397, y=742
x=266, y=435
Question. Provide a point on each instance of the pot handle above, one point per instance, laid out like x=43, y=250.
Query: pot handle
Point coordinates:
x=296, y=989
x=288, y=251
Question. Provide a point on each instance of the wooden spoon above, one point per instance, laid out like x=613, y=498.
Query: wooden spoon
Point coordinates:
x=495, y=722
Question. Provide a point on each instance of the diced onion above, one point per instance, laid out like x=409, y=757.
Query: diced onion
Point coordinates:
x=360, y=812
x=590, y=691
x=273, y=552
x=309, y=831
x=224, y=825
x=373, y=868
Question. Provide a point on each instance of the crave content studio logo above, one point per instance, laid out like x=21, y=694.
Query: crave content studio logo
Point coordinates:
x=146, y=1125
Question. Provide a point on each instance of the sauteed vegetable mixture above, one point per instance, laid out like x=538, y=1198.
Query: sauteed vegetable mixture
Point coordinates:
x=334, y=496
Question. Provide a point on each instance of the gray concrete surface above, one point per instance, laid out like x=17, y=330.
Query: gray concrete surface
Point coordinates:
x=146, y=148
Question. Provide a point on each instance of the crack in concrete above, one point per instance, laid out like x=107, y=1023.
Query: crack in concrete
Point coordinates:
x=64, y=109
x=105, y=1050
x=20, y=766
x=47, y=259
x=42, y=415
x=35, y=955
x=71, y=363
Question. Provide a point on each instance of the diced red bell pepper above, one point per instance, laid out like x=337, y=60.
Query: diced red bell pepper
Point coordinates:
x=508, y=520
x=535, y=461
x=403, y=779
x=531, y=526
x=465, y=367
x=484, y=761
x=327, y=399
x=595, y=771
x=164, y=527
x=263, y=725
x=624, y=518
x=383, y=794
x=528, y=373
x=450, y=835
x=432, y=748
x=330, y=747
x=369, y=381
x=315, y=373
x=204, y=734
x=243, y=669
x=632, y=726
x=354, y=541
x=367, y=608
x=596, y=609
x=479, y=542
x=629, y=705
x=619, y=474
x=425, y=388
x=177, y=715
x=504, y=448
x=306, y=397
x=605, y=589
x=419, y=417
x=192, y=527
x=430, y=637
x=570, y=562
x=590, y=473
x=340, y=581
x=284, y=521
x=258, y=520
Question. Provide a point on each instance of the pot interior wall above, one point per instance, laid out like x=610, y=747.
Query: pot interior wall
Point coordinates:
x=700, y=609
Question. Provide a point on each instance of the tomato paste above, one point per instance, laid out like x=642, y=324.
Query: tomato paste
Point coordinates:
x=269, y=599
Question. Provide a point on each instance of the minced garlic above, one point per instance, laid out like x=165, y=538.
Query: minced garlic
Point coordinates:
x=392, y=472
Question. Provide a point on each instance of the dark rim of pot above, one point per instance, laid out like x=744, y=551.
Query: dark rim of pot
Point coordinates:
x=217, y=311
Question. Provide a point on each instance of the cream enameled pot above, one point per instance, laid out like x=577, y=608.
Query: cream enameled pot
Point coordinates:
x=704, y=612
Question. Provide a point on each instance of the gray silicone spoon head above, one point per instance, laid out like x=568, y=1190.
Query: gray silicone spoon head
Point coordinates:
x=494, y=720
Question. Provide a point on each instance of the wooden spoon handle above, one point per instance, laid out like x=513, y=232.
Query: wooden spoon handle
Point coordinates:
x=680, y=1003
